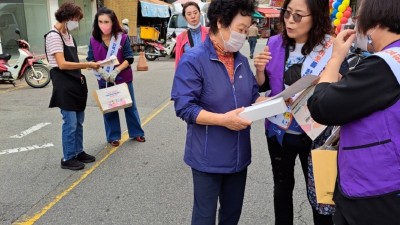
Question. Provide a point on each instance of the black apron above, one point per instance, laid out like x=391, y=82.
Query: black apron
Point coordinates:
x=70, y=90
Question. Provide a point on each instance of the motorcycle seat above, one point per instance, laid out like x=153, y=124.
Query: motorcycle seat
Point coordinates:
x=5, y=56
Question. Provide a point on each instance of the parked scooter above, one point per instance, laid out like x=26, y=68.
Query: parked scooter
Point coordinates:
x=36, y=73
x=153, y=50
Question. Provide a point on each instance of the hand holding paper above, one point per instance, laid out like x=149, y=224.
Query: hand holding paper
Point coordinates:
x=93, y=65
x=112, y=61
x=233, y=121
x=261, y=110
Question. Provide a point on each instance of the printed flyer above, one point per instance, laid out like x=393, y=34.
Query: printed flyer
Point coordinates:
x=303, y=116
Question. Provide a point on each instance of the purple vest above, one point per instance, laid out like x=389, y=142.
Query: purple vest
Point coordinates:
x=275, y=67
x=369, y=154
x=100, y=53
x=275, y=70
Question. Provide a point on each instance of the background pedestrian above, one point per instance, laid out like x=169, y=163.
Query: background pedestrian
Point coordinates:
x=252, y=37
x=125, y=26
x=194, y=35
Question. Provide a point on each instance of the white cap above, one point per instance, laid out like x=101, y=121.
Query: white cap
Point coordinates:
x=125, y=21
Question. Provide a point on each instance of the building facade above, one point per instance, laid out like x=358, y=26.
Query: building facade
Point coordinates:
x=34, y=18
x=125, y=9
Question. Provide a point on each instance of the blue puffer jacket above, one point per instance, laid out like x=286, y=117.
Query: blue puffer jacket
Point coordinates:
x=202, y=82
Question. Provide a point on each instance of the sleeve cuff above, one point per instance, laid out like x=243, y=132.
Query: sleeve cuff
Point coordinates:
x=195, y=114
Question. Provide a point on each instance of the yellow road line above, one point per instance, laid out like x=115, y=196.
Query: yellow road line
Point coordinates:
x=31, y=220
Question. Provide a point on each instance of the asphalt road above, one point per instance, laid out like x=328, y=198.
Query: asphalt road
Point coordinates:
x=136, y=183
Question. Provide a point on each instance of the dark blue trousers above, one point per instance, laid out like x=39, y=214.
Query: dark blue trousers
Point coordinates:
x=211, y=187
x=252, y=43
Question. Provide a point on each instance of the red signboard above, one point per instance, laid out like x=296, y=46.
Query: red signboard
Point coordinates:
x=269, y=12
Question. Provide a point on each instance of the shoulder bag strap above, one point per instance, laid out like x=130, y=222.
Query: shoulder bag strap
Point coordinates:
x=45, y=36
x=190, y=38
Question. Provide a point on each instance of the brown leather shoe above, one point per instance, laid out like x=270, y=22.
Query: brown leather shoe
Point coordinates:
x=114, y=143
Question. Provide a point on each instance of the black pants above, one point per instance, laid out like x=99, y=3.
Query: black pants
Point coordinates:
x=211, y=187
x=283, y=160
x=369, y=211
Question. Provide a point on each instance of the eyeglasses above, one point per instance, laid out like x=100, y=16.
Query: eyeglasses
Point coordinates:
x=296, y=17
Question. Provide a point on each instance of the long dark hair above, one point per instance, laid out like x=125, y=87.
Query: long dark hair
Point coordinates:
x=319, y=10
x=116, y=28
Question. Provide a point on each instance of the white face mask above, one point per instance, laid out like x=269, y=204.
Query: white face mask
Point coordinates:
x=235, y=42
x=362, y=41
x=72, y=25
x=193, y=27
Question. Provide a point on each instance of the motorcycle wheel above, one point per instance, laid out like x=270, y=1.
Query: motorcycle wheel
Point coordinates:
x=38, y=80
x=150, y=49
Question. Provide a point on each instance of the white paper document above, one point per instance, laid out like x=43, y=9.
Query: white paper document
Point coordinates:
x=112, y=61
x=264, y=109
x=298, y=86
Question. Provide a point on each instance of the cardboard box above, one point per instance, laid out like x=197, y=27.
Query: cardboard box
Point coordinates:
x=113, y=98
x=264, y=109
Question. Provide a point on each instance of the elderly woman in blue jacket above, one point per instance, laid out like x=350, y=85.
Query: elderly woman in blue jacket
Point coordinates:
x=212, y=84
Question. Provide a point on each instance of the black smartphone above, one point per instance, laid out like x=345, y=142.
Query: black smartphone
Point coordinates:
x=349, y=26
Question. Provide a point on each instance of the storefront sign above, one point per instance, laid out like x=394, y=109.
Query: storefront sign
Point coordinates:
x=276, y=3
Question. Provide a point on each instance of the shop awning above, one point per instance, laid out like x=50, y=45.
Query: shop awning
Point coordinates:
x=269, y=12
x=154, y=8
x=257, y=15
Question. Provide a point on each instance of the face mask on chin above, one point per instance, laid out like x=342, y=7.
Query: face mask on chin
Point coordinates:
x=235, y=42
x=72, y=25
x=194, y=27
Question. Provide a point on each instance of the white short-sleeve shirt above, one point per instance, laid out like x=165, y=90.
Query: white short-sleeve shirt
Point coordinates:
x=54, y=45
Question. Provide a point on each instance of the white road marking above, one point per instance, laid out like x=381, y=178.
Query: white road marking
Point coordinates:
x=24, y=149
x=30, y=130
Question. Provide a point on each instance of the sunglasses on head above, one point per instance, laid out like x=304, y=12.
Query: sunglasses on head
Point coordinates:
x=296, y=17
